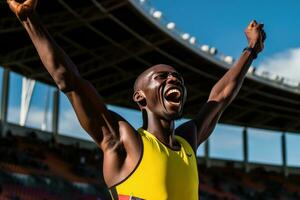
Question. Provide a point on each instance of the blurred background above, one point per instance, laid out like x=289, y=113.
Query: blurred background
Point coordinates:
x=254, y=150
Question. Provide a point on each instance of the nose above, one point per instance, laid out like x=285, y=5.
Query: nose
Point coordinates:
x=172, y=78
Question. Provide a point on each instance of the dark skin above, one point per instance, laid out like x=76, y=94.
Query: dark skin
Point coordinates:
x=159, y=92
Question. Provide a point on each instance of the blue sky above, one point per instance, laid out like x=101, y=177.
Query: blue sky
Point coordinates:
x=221, y=24
x=217, y=23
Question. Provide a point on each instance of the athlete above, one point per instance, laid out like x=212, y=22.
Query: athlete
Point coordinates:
x=157, y=161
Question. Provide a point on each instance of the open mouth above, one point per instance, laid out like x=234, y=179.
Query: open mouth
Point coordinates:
x=173, y=95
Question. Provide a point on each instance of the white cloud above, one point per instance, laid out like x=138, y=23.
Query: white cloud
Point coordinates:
x=13, y=114
x=286, y=64
x=35, y=116
x=68, y=122
x=69, y=125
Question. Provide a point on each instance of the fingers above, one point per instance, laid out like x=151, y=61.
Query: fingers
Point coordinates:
x=13, y=5
x=255, y=35
x=31, y=3
x=252, y=24
x=21, y=8
x=259, y=26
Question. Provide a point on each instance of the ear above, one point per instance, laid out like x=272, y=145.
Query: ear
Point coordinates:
x=139, y=98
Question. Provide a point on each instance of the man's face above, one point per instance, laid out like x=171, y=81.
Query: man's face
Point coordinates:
x=164, y=91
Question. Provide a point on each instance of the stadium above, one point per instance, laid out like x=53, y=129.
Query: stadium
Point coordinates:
x=41, y=162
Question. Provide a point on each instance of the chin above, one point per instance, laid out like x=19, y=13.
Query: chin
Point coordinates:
x=173, y=116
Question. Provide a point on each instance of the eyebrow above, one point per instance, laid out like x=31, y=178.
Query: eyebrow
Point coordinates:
x=175, y=72
x=166, y=72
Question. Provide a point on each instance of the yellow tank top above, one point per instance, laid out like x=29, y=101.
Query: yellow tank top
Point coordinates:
x=162, y=173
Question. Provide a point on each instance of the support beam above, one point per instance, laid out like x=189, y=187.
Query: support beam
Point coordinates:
x=55, y=114
x=262, y=119
x=245, y=149
x=284, y=155
x=260, y=111
x=266, y=104
x=107, y=38
x=51, y=21
x=294, y=124
x=4, y=98
x=27, y=91
x=141, y=38
x=46, y=109
x=206, y=154
x=242, y=113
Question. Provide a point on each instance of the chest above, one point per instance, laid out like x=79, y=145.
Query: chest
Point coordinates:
x=168, y=166
x=163, y=174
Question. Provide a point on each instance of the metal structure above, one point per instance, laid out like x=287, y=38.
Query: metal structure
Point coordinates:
x=27, y=90
x=112, y=41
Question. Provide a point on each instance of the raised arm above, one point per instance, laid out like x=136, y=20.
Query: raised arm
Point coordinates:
x=88, y=105
x=226, y=89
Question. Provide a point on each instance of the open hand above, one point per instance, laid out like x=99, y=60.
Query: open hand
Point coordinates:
x=255, y=35
x=22, y=8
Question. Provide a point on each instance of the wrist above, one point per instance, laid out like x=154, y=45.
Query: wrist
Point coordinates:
x=252, y=51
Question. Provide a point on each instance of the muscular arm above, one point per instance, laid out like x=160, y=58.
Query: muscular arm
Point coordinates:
x=221, y=95
x=87, y=103
x=224, y=91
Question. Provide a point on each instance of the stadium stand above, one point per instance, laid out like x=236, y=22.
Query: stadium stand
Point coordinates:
x=232, y=183
x=31, y=168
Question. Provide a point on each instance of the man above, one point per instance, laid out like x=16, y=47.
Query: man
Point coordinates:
x=157, y=161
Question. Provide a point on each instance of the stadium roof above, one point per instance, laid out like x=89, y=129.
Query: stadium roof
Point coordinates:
x=112, y=41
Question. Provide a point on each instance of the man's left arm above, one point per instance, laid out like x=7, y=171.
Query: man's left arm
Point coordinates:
x=225, y=90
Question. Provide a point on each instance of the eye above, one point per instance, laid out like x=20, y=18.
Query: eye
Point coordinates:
x=162, y=75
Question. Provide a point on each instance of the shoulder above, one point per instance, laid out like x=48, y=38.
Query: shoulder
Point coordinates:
x=188, y=132
x=123, y=155
x=125, y=138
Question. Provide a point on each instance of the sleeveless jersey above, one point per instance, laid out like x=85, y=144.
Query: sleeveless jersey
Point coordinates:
x=162, y=173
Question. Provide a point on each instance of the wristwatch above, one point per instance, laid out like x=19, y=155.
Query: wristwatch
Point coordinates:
x=252, y=51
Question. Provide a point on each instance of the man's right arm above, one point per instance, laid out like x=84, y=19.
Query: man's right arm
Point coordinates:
x=90, y=109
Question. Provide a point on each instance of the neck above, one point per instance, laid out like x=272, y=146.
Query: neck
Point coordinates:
x=162, y=129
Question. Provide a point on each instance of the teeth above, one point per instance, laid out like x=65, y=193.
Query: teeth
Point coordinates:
x=173, y=91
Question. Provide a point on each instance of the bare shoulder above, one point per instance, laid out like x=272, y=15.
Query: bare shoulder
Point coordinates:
x=122, y=154
x=188, y=131
x=127, y=135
